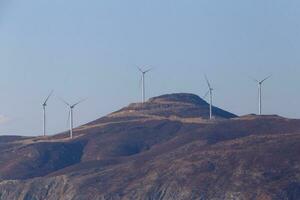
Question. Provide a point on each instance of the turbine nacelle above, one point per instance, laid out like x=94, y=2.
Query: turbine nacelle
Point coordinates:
x=44, y=112
x=48, y=97
x=144, y=71
x=260, y=93
x=262, y=81
x=209, y=92
x=143, y=82
x=71, y=107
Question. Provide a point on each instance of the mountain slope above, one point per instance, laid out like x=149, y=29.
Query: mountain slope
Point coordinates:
x=163, y=149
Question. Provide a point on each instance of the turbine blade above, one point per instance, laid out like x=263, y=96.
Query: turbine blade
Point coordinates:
x=65, y=102
x=253, y=79
x=78, y=102
x=144, y=71
x=208, y=84
x=48, y=97
x=140, y=69
x=206, y=94
x=266, y=79
x=148, y=70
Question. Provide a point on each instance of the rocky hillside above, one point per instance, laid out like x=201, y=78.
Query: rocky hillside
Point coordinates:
x=165, y=149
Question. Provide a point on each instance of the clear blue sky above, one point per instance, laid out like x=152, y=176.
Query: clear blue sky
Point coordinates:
x=92, y=48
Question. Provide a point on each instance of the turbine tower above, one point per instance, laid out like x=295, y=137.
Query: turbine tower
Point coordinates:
x=71, y=108
x=260, y=93
x=209, y=92
x=44, y=112
x=143, y=83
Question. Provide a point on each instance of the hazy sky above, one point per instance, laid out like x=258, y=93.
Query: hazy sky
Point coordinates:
x=92, y=48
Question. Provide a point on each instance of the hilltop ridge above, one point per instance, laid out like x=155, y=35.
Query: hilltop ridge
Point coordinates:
x=178, y=104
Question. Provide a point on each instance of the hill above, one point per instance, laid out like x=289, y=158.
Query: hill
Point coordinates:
x=164, y=149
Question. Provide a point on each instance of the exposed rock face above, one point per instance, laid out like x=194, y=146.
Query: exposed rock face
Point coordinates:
x=165, y=149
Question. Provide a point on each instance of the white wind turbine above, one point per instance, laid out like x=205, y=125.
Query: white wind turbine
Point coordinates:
x=44, y=112
x=209, y=92
x=260, y=93
x=144, y=72
x=71, y=108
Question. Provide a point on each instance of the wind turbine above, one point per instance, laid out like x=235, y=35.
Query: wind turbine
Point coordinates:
x=144, y=72
x=71, y=108
x=44, y=112
x=209, y=92
x=260, y=93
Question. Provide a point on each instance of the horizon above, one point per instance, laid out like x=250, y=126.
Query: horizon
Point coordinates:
x=92, y=50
